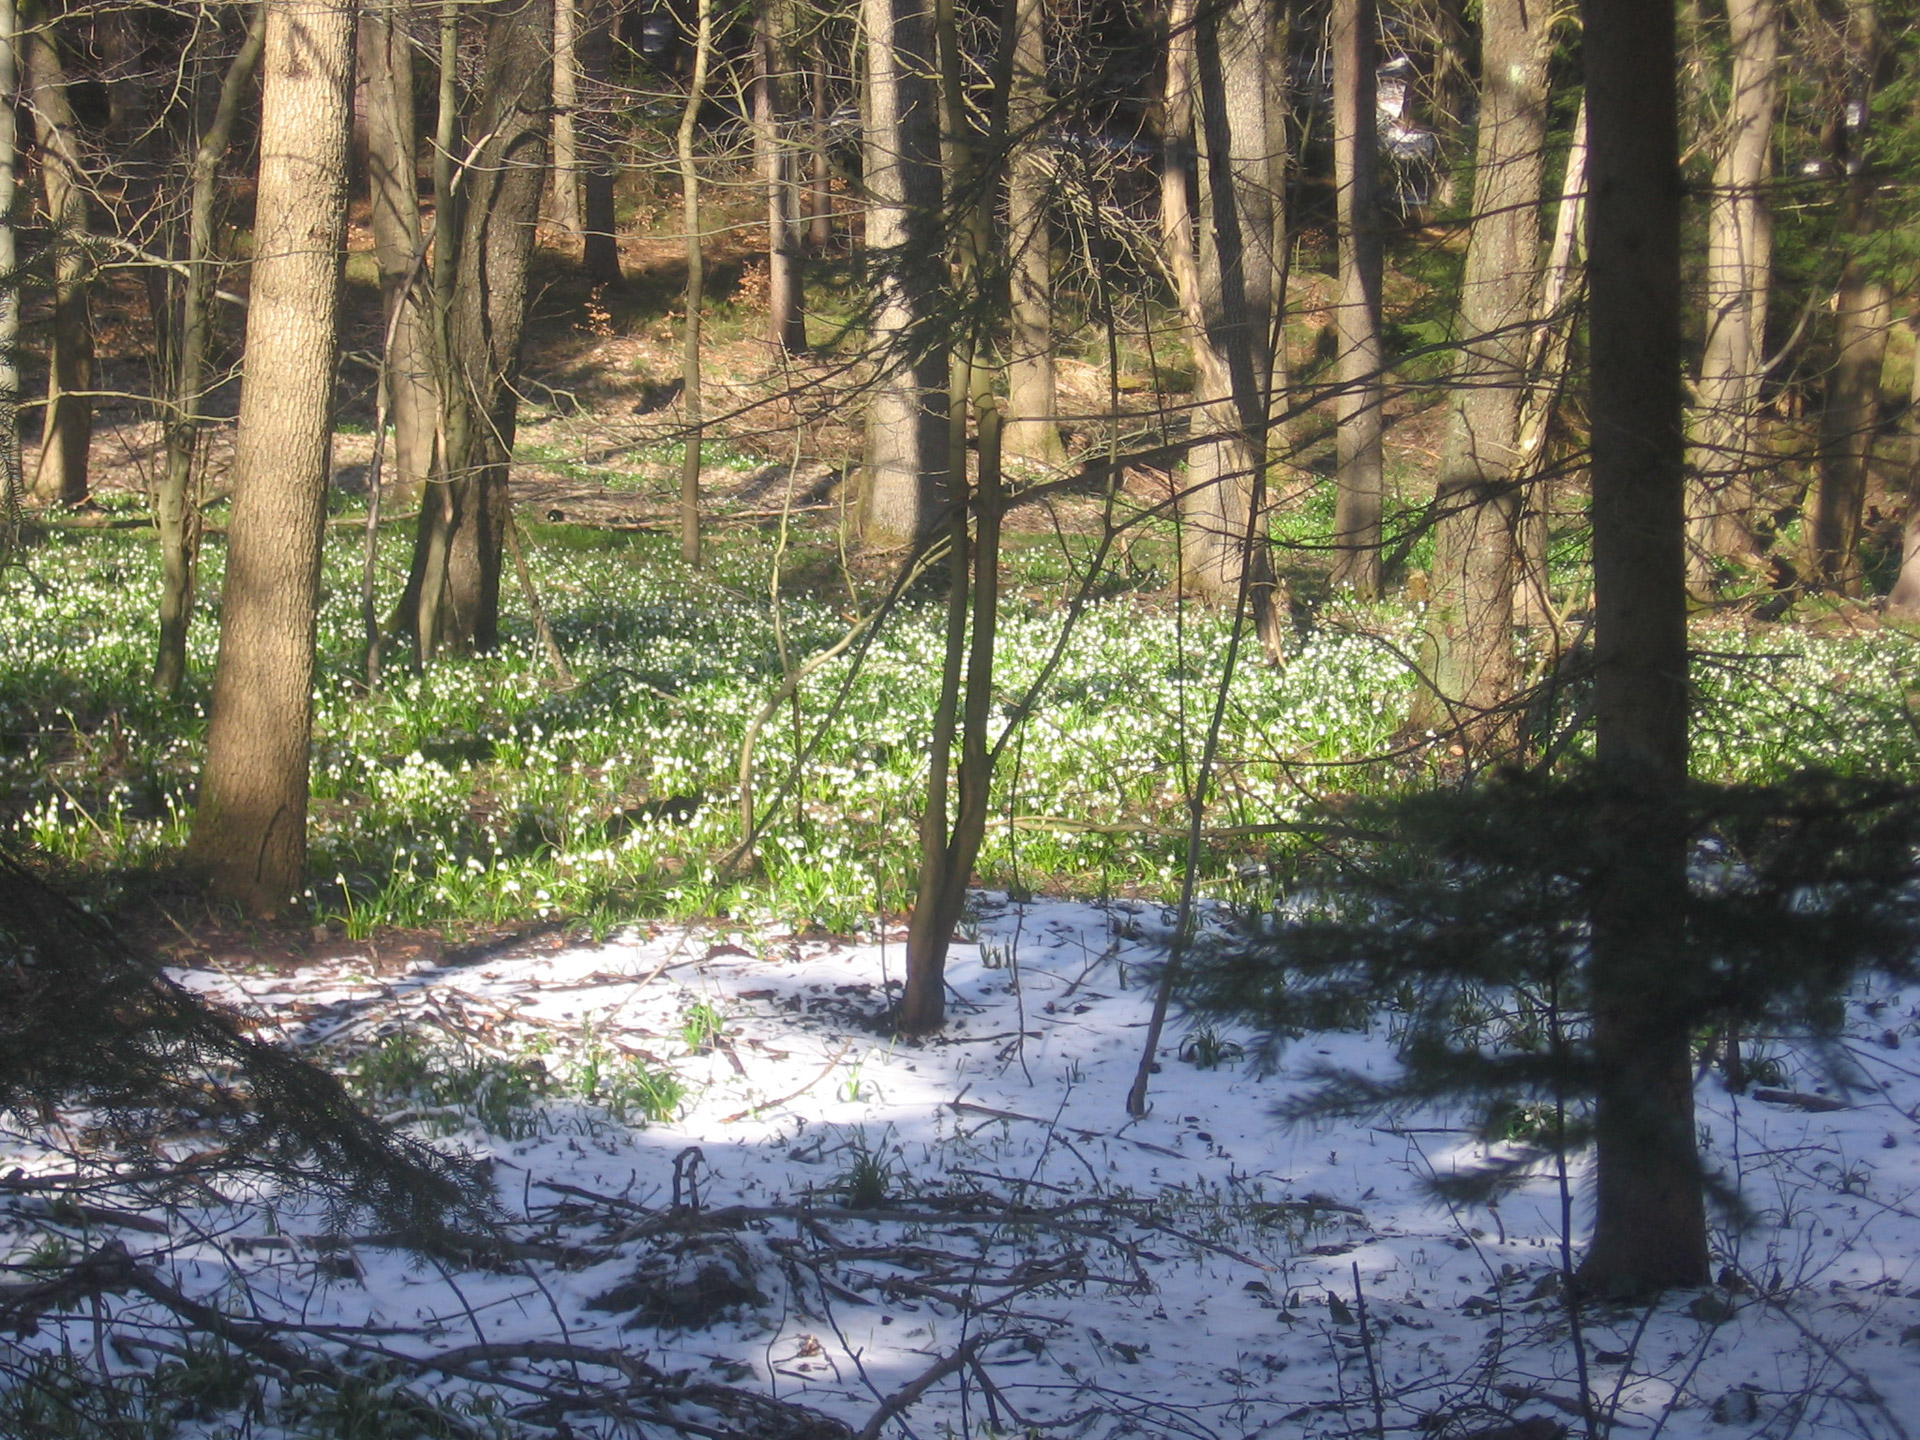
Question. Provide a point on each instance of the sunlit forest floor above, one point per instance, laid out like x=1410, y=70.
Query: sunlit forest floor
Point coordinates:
x=534, y=936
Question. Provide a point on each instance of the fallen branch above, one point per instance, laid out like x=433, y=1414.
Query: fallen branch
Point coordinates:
x=905, y=1397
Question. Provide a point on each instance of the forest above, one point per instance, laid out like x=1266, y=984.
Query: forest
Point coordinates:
x=959, y=718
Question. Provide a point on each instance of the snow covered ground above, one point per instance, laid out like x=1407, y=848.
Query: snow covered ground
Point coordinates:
x=1203, y=1272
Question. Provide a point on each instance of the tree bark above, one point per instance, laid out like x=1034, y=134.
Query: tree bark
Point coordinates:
x=393, y=186
x=594, y=137
x=60, y=477
x=1649, y=1218
x=12, y=482
x=1863, y=315
x=772, y=108
x=1033, y=426
x=1905, y=599
x=947, y=855
x=1360, y=474
x=1230, y=285
x=250, y=828
x=1722, y=436
x=566, y=110
x=461, y=538
x=1469, y=659
x=695, y=292
x=174, y=513
x=905, y=468
x=820, y=181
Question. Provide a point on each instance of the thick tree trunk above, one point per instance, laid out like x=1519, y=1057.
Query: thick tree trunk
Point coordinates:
x=461, y=538
x=772, y=108
x=174, y=513
x=60, y=477
x=1360, y=473
x=1469, y=670
x=1230, y=288
x=393, y=181
x=1033, y=426
x=690, y=401
x=905, y=466
x=250, y=830
x=1722, y=449
x=1649, y=1218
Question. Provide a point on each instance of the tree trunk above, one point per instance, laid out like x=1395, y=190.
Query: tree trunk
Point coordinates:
x=566, y=113
x=594, y=136
x=947, y=855
x=1738, y=278
x=1033, y=427
x=1469, y=669
x=1649, y=1219
x=386, y=62
x=174, y=513
x=820, y=182
x=1230, y=287
x=461, y=538
x=12, y=486
x=1549, y=351
x=1862, y=317
x=1360, y=474
x=772, y=64
x=695, y=292
x=1905, y=599
x=904, y=484
x=250, y=829
x=60, y=478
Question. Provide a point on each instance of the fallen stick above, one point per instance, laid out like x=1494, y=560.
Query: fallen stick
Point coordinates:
x=753, y=1110
x=904, y=1398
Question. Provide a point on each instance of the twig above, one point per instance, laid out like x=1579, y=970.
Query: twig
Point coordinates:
x=903, y=1398
x=753, y=1110
x=1366, y=1349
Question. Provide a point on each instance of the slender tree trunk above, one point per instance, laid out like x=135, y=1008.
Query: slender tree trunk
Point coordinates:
x=566, y=114
x=60, y=478
x=772, y=64
x=820, y=187
x=1469, y=670
x=1862, y=317
x=1360, y=474
x=1649, y=1218
x=696, y=290
x=12, y=485
x=250, y=829
x=460, y=542
x=904, y=484
x=175, y=515
x=947, y=855
x=1905, y=599
x=393, y=181
x=1549, y=350
x=1033, y=427
x=1722, y=438
x=594, y=135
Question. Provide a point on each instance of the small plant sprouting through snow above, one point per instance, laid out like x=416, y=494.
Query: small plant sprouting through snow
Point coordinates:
x=1207, y=1049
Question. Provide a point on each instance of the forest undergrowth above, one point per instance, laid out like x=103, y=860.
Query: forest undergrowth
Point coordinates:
x=484, y=793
